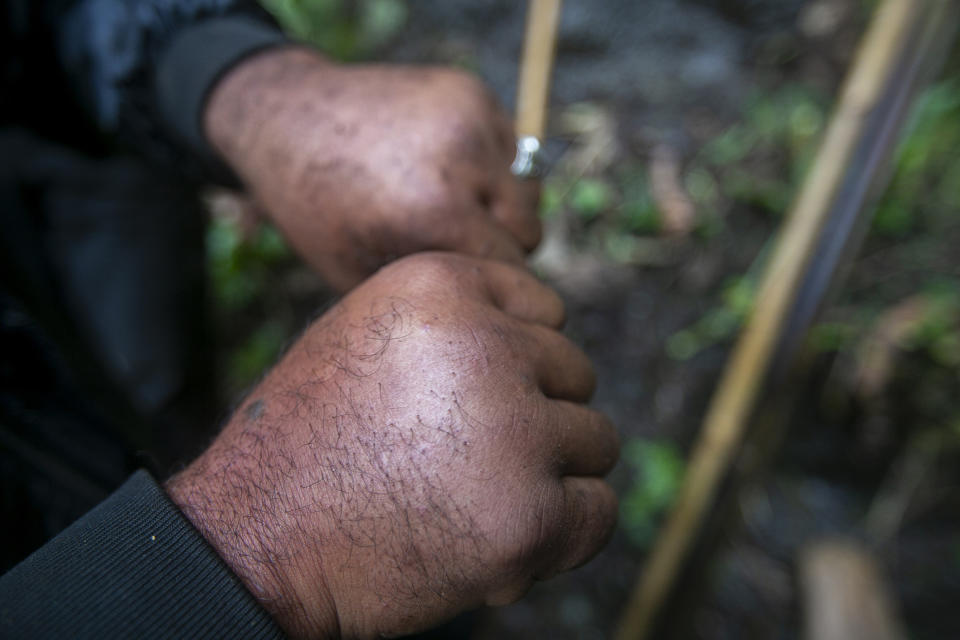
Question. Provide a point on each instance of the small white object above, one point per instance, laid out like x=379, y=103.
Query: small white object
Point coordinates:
x=525, y=164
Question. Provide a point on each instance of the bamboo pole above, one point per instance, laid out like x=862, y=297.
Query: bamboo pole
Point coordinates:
x=533, y=90
x=887, y=41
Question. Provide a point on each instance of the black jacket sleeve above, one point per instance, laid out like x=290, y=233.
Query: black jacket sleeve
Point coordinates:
x=191, y=64
x=144, y=68
x=133, y=567
x=139, y=69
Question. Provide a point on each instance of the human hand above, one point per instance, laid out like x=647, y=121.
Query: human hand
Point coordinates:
x=421, y=450
x=361, y=164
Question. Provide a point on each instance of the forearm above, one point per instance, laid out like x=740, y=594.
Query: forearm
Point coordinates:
x=233, y=498
x=255, y=104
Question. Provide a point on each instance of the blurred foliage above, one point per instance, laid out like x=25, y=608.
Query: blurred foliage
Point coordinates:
x=831, y=336
x=639, y=214
x=926, y=180
x=590, y=197
x=922, y=200
x=241, y=267
x=719, y=324
x=609, y=212
x=758, y=164
x=938, y=331
x=249, y=360
x=345, y=29
x=755, y=164
x=658, y=471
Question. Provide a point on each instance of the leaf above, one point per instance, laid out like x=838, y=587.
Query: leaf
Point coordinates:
x=261, y=349
x=590, y=196
x=658, y=469
x=380, y=21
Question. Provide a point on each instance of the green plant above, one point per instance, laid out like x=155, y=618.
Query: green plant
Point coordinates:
x=719, y=324
x=831, y=336
x=590, y=197
x=760, y=161
x=638, y=212
x=551, y=196
x=923, y=188
x=251, y=358
x=658, y=470
x=938, y=331
x=779, y=131
x=239, y=266
x=342, y=28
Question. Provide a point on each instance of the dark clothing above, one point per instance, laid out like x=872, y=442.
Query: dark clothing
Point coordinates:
x=101, y=263
x=133, y=567
x=102, y=269
x=98, y=74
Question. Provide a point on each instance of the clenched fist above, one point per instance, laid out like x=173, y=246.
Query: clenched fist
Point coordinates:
x=422, y=449
x=359, y=165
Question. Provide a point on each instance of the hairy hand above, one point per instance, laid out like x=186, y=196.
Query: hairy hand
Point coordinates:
x=421, y=450
x=359, y=165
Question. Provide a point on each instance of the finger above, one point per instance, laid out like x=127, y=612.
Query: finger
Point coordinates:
x=512, y=203
x=514, y=206
x=510, y=593
x=476, y=234
x=518, y=293
x=588, y=519
x=516, y=202
x=487, y=148
x=588, y=444
x=563, y=370
x=504, y=131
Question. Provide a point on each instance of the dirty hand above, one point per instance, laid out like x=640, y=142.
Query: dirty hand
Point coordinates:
x=421, y=450
x=359, y=165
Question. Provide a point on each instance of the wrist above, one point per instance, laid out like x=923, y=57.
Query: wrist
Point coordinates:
x=190, y=63
x=220, y=501
x=258, y=91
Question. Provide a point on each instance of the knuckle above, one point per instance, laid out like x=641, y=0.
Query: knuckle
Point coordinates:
x=426, y=270
x=440, y=280
x=555, y=311
x=534, y=532
x=592, y=526
x=533, y=234
x=610, y=441
x=467, y=124
x=427, y=197
x=609, y=510
x=465, y=83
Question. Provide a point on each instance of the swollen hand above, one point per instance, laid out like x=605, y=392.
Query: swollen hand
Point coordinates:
x=423, y=449
x=359, y=165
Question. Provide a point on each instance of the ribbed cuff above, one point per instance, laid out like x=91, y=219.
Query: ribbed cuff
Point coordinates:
x=133, y=567
x=193, y=62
